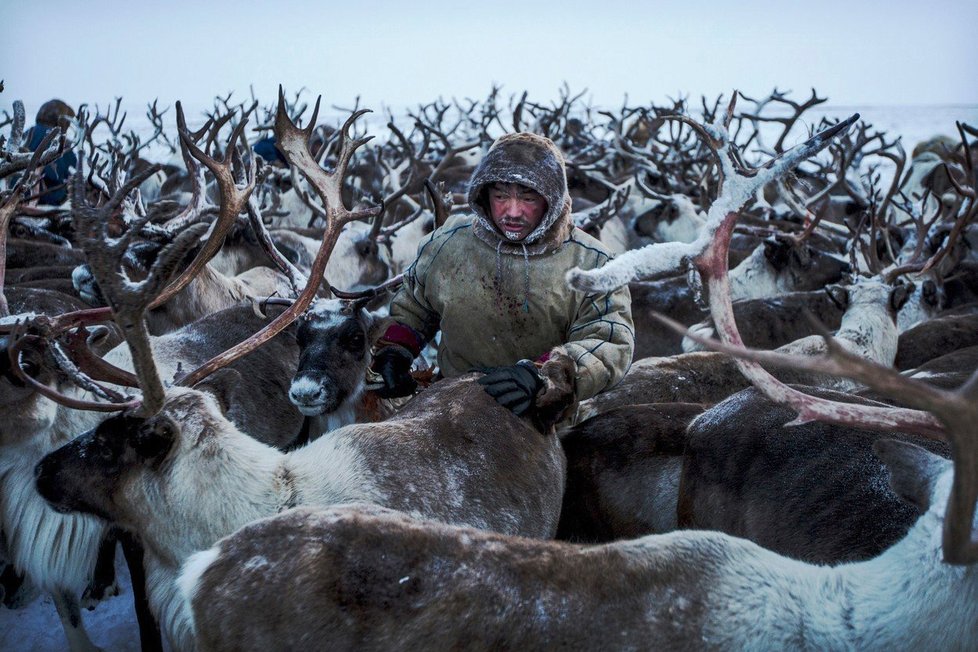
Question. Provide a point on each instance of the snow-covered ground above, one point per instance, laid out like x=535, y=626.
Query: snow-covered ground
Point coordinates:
x=112, y=624
x=37, y=628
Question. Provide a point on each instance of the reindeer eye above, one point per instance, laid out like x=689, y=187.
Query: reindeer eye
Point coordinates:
x=104, y=451
x=352, y=339
x=364, y=248
x=29, y=367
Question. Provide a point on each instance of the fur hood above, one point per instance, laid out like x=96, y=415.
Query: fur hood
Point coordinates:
x=533, y=161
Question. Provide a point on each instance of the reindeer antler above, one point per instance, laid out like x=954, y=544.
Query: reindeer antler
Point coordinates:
x=294, y=144
x=952, y=414
x=127, y=299
x=234, y=198
x=659, y=258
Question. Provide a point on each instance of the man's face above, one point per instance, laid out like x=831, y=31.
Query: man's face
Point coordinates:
x=516, y=210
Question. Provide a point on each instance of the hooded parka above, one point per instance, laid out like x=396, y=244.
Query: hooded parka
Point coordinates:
x=497, y=301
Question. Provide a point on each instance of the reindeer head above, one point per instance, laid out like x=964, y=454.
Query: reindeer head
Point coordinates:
x=808, y=267
x=151, y=472
x=22, y=410
x=335, y=337
x=25, y=407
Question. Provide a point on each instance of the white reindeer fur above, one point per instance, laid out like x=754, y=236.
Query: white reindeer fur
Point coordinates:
x=756, y=278
x=915, y=310
x=256, y=480
x=343, y=269
x=686, y=227
x=57, y=552
x=212, y=291
x=614, y=236
x=867, y=329
x=404, y=244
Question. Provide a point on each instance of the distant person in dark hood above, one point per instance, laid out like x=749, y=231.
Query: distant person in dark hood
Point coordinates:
x=493, y=283
x=53, y=113
x=267, y=149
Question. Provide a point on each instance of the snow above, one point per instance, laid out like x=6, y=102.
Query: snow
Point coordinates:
x=37, y=628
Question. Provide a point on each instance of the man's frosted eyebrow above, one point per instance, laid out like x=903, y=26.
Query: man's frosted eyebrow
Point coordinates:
x=515, y=188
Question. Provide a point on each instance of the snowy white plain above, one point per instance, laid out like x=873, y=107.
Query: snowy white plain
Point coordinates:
x=112, y=624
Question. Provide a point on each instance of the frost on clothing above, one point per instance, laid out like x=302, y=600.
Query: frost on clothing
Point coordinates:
x=497, y=301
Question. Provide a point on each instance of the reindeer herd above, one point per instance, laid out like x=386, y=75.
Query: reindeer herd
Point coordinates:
x=790, y=463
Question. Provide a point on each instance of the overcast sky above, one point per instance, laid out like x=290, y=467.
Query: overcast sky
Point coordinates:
x=893, y=52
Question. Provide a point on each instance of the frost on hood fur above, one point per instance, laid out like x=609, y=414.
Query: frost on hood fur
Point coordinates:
x=533, y=161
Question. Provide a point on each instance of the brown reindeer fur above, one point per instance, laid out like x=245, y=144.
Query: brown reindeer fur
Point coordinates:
x=623, y=472
x=935, y=337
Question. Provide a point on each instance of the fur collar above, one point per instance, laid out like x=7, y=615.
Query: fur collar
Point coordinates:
x=532, y=161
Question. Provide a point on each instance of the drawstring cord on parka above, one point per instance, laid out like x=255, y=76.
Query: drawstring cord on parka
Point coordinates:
x=526, y=274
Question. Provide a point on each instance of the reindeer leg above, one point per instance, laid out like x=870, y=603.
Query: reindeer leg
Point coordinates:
x=103, y=584
x=16, y=590
x=70, y=614
x=150, y=639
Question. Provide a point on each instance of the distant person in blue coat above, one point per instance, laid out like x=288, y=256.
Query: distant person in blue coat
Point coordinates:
x=266, y=149
x=53, y=113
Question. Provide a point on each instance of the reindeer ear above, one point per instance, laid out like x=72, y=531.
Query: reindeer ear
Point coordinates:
x=290, y=253
x=644, y=224
x=900, y=294
x=913, y=470
x=377, y=325
x=931, y=293
x=221, y=384
x=838, y=295
x=777, y=253
x=154, y=439
x=101, y=339
x=803, y=255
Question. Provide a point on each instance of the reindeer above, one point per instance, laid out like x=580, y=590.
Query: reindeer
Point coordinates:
x=773, y=268
x=209, y=292
x=58, y=551
x=623, y=469
x=281, y=580
x=733, y=477
x=935, y=337
x=181, y=475
x=867, y=325
x=672, y=590
x=55, y=552
x=335, y=337
x=776, y=321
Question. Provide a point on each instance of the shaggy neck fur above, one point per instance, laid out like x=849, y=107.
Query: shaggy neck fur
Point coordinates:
x=222, y=479
x=57, y=551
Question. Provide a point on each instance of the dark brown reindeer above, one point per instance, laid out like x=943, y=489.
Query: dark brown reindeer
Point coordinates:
x=335, y=338
x=180, y=475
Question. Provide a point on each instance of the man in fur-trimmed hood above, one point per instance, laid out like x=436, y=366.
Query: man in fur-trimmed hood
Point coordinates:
x=493, y=283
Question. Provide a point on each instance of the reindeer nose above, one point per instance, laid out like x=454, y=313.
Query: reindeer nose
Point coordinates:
x=306, y=390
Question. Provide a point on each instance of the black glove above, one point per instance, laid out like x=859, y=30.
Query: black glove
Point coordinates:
x=393, y=363
x=513, y=387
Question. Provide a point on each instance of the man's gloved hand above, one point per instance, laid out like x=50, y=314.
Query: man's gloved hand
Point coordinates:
x=514, y=387
x=393, y=363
